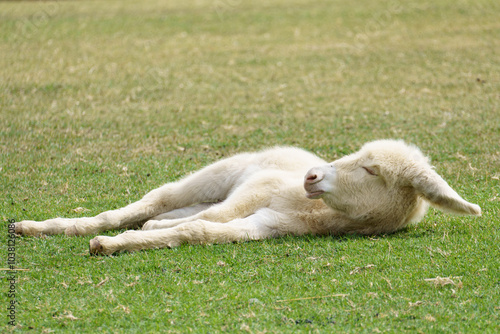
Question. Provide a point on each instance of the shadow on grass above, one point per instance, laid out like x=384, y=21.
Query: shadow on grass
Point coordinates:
x=81, y=243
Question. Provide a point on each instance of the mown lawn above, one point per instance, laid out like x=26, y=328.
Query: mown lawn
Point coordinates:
x=101, y=101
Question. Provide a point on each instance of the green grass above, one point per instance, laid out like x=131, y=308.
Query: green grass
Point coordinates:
x=102, y=101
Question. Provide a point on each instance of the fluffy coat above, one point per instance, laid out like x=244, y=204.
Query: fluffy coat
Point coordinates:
x=280, y=191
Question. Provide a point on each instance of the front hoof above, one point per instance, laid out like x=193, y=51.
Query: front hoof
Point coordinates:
x=96, y=247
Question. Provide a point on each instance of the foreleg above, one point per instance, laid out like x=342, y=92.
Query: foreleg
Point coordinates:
x=255, y=194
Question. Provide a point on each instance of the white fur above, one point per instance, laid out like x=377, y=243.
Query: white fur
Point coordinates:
x=379, y=189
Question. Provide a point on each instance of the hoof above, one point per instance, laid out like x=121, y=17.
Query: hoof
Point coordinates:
x=18, y=228
x=95, y=247
x=27, y=227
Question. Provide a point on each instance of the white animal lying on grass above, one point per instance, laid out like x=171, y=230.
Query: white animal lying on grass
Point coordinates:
x=281, y=191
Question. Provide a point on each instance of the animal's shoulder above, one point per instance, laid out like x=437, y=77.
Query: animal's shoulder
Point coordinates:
x=288, y=158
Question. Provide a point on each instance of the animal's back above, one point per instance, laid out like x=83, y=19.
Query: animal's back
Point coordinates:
x=288, y=159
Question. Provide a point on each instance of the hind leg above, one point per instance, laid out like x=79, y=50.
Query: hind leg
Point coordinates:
x=211, y=184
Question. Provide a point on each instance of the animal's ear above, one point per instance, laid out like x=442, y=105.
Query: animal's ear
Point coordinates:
x=432, y=186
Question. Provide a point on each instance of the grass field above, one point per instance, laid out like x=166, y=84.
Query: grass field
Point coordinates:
x=101, y=101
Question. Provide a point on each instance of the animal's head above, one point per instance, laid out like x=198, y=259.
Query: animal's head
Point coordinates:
x=383, y=187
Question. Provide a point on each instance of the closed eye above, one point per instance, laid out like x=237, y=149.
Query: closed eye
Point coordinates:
x=370, y=171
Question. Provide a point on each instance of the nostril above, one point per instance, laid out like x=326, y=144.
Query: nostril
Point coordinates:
x=311, y=177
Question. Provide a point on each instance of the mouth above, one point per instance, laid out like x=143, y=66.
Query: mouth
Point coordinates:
x=314, y=194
